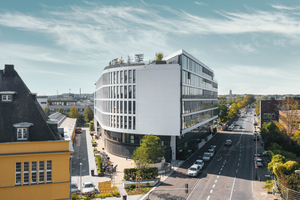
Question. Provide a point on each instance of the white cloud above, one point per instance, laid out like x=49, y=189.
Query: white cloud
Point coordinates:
x=200, y=3
x=244, y=47
x=281, y=7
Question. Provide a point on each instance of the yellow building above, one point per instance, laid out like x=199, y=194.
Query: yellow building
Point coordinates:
x=34, y=156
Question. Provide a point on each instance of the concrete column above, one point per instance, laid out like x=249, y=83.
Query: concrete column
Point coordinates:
x=173, y=147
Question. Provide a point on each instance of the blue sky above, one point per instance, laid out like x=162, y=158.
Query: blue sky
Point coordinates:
x=252, y=46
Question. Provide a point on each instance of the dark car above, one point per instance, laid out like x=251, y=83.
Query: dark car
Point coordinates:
x=78, y=130
x=228, y=143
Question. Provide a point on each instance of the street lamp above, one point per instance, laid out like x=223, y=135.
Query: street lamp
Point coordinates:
x=80, y=179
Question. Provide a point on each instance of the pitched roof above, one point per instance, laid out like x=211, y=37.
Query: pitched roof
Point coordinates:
x=23, y=108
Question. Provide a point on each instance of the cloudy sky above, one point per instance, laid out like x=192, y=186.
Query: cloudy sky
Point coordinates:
x=252, y=46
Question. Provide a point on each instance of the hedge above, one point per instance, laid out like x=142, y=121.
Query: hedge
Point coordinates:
x=99, y=164
x=146, y=173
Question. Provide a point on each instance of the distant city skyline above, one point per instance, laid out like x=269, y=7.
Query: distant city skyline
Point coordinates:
x=253, y=46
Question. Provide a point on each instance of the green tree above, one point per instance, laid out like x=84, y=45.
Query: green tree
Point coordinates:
x=223, y=113
x=149, y=151
x=60, y=110
x=74, y=113
x=88, y=114
x=222, y=100
x=91, y=125
x=159, y=56
x=46, y=110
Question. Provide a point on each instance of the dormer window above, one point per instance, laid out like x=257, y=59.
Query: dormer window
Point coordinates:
x=22, y=130
x=7, y=96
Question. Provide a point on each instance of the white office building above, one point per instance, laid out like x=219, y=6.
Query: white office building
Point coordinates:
x=175, y=99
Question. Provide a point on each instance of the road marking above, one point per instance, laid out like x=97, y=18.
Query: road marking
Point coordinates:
x=208, y=197
x=221, y=169
x=232, y=188
x=211, y=191
x=238, y=164
x=214, y=185
x=217, y=176
x=236, y=170
x=216, y=181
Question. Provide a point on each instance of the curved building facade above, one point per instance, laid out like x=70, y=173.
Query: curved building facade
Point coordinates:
x=175, y=99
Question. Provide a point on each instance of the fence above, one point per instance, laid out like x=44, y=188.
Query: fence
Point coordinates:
x=286, y=193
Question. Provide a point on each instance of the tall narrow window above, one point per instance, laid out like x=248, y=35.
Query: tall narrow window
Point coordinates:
x=49, y=171
x=134, y=91
x=125, y=76
x=129, y=122
x=129, y=91
x=133, y=107
x=114, y=106
x=133, y=76
x=121, y=106
x=121, y=91
x=125, y=92
x=125, y=107
x=26, y=173
x=121, y=77
x=33, y=172
x=115, y=92
x=129, y=107
x=18, y=173
x=118, y=92
x=114, y=77
x=41, y=172
x=117, y=121
x=117, y=78
x=130, y=76
x=125, y=122
x=121, y=122
x=133, y=123
x=117, y=106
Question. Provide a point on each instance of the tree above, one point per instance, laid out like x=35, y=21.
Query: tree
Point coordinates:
x=46, y=110
x=60, y=110
x=149, y=151
x=74, y=113
x=159, y=56
x=222, y=100
x=223, y=113
x=88, y=114
x=91, y=125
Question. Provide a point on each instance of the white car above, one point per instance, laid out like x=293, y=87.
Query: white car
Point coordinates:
x=74, y=187
x=206, y=156
x=88, y=187
x=213, y=147
x=212, y=152
x=200, y=163
x=193, y=170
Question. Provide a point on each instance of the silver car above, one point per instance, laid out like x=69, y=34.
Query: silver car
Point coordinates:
x=74, y=187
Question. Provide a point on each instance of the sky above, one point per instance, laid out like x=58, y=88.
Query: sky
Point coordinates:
x=62, y=46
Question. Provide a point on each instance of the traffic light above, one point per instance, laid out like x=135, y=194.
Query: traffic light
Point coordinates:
x=186, y=188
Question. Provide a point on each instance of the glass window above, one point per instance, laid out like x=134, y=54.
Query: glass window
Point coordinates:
x=129, y=107
x=121, y=121
x=117, y=78
x=22, y=133
x=125, y=122
x=132, y=139
x=129, y=91
x=6, y=97
x=114, y=77
x=26, y=173
x=129, y=122
x=125, y=76
x=117, y=121
x=133, y=76
x=49, y=171
x=133, y=123
x=117, y=106
x=118, y=92
x=121, y=106
x=130, y=76
x=125, y=92
x=133, y=107
x=121, y=77
x=125, y=107
x=134, y=91
x=121, y=91
x=33, y=172
x=41, y=172
x=18, y=173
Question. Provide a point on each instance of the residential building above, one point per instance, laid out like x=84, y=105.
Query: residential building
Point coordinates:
x=34, y=156
x=269, y=111
x=175, y=99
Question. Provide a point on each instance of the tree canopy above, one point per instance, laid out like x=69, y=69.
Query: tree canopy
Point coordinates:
x=74, y=113
x=159, y=56
x=88, y=114
x=60, y=110
x=46, y=110
x=149, y=151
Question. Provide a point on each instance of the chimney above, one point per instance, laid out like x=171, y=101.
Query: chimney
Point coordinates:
x=9, y=70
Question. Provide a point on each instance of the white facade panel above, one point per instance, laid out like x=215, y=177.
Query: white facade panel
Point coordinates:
x=158, y=100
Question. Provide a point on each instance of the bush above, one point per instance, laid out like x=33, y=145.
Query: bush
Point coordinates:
x=146, y=173
x=99, y=164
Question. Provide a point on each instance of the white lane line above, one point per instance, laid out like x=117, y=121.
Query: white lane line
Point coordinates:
x=208, y=198
x=236, y=171
x=216, y=181
x=238, y=164
x=214, y=185
x=239, y=159
x=232, y=188
x=211, y=191
x=217, y=177
x=221, y=169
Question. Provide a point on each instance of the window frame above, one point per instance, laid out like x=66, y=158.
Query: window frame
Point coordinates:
x=18, y=174
x=25, y=173
x=49, y=170
x=41, y=171
x=34, y=172
x=22, y=133
x=6, y=97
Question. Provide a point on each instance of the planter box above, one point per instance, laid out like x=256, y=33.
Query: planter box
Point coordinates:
x=143, y=183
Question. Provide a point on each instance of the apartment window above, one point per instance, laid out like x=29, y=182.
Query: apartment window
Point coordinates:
x=49, y=171
x=121, y=91
x=125, y=92
x=18, y=173
x=129, y=122
x=121, y=77
x=273, y=116
x=117, y=121
x=121, y=106
x=25, y=173
x=133, y=106
x=125, y=107
x=129, y=107
x=133, y=76
x=33, y=172
x=134, y=91
x=41, y=172
x=118, y=92
x=117, y=106
x=22, y=133
x=130, y=76
x=121, y=121
x=129, y=91
x=7, y=97
x=133, y=123
x=125, y=76
x=114, y=77
x=117, y=77
x=125, y=122
x=265, y=116
x=269, y=116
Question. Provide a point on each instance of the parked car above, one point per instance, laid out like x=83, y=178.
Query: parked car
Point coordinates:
x=88, y=187
x=213, y=147
x=212, y=152
x=200, y=163
x=74, y=187
x=193, y=170
x=78, y=130
x=230, y=128
x=240, y=127
x=258, y=159
x=228, y=143
x=206, y=156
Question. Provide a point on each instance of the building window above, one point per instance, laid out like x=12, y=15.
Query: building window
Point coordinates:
x=133, y=123
x=18, y=173
x=125, y=122
x=129, y=107
x=273, y=116
x=265, y=116
x=121, y=91
x=134, y=91
x=121, y=122
x=49, y=171
x=121, y=106
x=133, y=106
x=133, y=76
x=33, y=172
x=41, y=172
x=121, y=77
x=129, y=122
x=22, y=133
x=125, y=76
x=25, y=173
x=130, y=76
x=117, y=121
x=129, y=91
x=269, y=116
x=125, y=92
x=125, y=107
x=6, y=97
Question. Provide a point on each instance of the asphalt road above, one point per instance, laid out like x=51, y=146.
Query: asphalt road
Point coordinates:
x=228, y=175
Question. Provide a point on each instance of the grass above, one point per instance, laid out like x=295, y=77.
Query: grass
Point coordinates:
x=136, y=191
x=269, y=185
